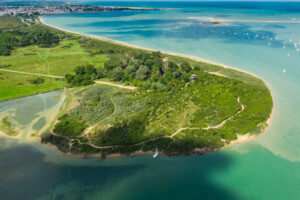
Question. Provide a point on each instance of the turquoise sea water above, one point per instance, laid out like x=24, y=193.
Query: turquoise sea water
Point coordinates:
x=265, y=168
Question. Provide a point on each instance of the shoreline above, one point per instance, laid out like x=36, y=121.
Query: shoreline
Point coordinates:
x=239, y=140
x=198, y=59
x=195, y=58
x=248, y=137
x=97, y=12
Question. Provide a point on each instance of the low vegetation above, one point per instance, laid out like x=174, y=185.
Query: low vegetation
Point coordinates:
x=121, y=121
x=69, y=127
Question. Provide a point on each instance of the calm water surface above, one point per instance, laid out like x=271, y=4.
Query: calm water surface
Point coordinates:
x=265, y=168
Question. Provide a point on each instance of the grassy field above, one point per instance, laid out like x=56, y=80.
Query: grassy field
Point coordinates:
x=14, y=85
x=51, y=61
x=58, y=60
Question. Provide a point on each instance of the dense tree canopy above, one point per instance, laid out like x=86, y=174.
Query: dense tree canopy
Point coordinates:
x=11, y=39
x=84, y=75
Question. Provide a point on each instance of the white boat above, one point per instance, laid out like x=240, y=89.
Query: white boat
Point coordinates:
x=156, y=153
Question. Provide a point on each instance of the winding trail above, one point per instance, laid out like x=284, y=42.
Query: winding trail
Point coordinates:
x=47, y=63
x=223, y=122
x=89, y=129
x=174, y=134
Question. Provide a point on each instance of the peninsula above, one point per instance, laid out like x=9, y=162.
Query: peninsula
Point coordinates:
x=33, y=8
x=121, y=99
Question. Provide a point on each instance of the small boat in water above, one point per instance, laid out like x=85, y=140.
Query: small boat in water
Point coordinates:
x=156, y=153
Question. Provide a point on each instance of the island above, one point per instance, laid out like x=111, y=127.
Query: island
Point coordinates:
x=121, y=100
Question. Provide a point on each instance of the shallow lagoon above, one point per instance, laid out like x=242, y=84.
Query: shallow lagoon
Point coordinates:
x=265, y=168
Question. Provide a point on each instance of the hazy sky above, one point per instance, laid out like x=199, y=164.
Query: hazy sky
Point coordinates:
x=204, y=0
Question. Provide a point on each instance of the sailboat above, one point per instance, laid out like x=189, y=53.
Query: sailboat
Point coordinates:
x=156, y=153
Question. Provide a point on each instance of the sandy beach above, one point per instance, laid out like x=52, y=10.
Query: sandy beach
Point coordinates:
x=245, y=138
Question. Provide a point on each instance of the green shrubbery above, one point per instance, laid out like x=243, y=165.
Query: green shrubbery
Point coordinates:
x=125, y=131
x=95, y=105
x=37, y=81
x=84, y=75
x=134, y=117
x=69, y=127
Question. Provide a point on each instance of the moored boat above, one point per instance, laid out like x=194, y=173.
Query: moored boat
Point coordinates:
x=156, y=153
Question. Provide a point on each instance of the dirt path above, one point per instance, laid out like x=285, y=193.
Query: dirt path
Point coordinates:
x=89, y=129
x=174, y=134
x=117, y=85
x=140, y=143
x=223, y=122
x=29, y=73
x=47, y=63
x=53, y=76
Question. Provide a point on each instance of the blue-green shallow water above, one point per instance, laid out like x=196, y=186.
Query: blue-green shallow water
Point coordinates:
x=265, y=168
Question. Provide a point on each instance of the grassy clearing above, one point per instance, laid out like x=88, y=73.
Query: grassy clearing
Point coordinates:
x=50, y=59
x=58, y=60
x=14, y=85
